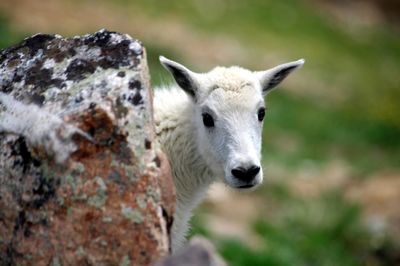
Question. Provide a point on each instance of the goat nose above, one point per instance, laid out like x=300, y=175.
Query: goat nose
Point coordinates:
x=244, y=174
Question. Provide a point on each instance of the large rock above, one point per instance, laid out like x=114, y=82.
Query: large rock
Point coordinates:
x=82, y=181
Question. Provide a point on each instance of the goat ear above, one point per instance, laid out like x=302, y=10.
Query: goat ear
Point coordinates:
x=270, y=78
x=184, y=77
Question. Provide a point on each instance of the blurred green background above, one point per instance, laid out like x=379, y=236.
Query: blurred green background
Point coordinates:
x=331, y=149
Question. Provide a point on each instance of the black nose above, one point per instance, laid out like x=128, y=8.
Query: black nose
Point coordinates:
x=244, y=174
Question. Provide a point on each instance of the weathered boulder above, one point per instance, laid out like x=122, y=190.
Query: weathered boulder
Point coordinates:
x=82, y=180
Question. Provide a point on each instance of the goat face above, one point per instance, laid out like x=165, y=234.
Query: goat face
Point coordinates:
x=229, y=112
x=228, y=125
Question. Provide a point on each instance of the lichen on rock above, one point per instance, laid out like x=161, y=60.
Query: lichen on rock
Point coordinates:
x=77, y=150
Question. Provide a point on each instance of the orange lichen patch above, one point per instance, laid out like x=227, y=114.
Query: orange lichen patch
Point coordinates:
x=113, y=234
x=97, y=155
x=85, y=234
x=98, y=125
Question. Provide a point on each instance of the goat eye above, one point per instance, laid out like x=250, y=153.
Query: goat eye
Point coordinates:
x=208, y=121
x=261, y=114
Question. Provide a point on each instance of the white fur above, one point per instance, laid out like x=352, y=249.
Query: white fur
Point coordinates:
x=199, y=155
x=39, y=127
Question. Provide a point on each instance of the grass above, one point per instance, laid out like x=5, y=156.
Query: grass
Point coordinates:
x=322, y=231
x=158, y=74
x=8, y=35
x=323, y=134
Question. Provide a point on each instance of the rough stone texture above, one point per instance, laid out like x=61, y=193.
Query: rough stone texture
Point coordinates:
x=82, y=181
x=199, y=252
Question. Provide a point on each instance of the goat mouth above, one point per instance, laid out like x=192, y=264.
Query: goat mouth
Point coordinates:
x=245, y=186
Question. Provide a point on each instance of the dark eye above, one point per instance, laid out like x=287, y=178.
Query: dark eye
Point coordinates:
x=261, y=114
x=208, y=121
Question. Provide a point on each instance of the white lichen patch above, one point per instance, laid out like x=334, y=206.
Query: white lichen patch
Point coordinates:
x=131, y=214
x=49, y=63
x=100, y=182
x=89, y=52
x=131, y=172
x=125, y=261
x=136, y=47
x=107, y=219
x=79, y=167
x=55, y=261
x=154, y=194
x=70, y=211
x=141, y=201
x=60, y=67
x=6, y=76
x=80, y=251
x=100, y=198
x=116, y=38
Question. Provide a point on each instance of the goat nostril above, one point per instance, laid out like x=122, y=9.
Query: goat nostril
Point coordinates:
x=245, y=174
x=238, y=172
x=254, y=170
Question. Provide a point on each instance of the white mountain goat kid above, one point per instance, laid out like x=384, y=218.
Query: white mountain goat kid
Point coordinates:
x=211, y=129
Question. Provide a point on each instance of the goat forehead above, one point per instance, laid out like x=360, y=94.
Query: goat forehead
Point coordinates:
x=247, y=99
x=231, y=79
